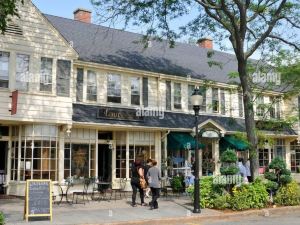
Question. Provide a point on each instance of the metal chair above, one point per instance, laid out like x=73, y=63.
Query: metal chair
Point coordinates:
x=83, y=193
x=120, y=189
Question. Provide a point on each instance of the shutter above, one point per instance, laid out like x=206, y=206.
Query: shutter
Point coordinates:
x=168, y=95
x=145, y=92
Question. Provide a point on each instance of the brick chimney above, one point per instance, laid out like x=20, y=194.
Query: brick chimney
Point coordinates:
x=205, y=43
x=83, y=15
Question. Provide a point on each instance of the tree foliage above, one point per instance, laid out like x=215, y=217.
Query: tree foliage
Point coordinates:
x=248, y=25
x=8, y=8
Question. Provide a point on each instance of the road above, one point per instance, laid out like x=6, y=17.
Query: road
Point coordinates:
x=292, y=218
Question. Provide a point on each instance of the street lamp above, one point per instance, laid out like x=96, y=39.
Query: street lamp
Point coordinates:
x=196, y=100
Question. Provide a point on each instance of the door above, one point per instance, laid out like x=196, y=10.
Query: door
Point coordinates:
x=104, y=162
x=3, y=164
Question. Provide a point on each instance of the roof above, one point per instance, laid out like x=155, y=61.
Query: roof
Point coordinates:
x=90, y=114
x=99, y=44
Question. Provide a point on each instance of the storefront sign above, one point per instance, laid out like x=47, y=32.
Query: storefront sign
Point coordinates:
x=118, y=114
x=210, y=133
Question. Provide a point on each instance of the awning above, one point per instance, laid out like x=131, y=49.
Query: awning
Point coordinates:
x=233, y=143
x=179, y=140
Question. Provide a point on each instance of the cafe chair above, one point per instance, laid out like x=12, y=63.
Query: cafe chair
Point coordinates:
x=83, y=193
x=120, y=189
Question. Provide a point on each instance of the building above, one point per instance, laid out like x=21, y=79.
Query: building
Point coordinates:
x=91, y=100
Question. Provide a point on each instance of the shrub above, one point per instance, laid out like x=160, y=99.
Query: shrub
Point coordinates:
x=231, y=170
x=249, y=196
x=288, y=194
x=208, y=192
x=177, y=183
x=277, y=172
x=222, y=201
x=228, y=159
x=2, y=218
x=229, y=156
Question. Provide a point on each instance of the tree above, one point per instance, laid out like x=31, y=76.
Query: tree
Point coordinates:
x=8, y=8
x=249, y=26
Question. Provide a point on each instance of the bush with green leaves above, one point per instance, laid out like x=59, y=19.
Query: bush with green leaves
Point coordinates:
x=222, y=201
x=228, y=160
x=2, y=218
x=278, y=172
x=208, y=192
x=249, y=196
x=288, y=194
x=177, y=183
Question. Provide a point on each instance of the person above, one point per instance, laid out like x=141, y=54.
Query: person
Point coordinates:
x=154, y=183
x=248, y=171
x=137, y=171
x=147, y=167
x=242, y=170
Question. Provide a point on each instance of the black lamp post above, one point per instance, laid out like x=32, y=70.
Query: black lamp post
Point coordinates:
x=196, y=100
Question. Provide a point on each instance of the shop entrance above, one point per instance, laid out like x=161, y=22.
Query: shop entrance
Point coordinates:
x=104, y=162
x=3, y=164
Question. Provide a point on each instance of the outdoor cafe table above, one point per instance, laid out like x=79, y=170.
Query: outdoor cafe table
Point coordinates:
x=64, y=188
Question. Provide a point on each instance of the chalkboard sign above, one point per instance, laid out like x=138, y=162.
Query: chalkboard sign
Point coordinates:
x=38, y=201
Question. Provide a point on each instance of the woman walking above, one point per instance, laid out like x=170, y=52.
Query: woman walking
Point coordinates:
x=154, y=183
x=147, y=167
x=137, y=172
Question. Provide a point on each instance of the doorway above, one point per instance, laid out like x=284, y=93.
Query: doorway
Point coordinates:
x=3, y=164
x=104, y=162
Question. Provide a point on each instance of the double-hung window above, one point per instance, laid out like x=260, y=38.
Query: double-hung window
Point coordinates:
x=22, y=72
x=135, y=90
x=223, y=103
x=241, y=106
x=191, y=89
x=91, y=89
x=63, y=75
x=4, y=69
x=215, y=100
x=79, y=85
x=114, y=88
x=168, y=95
x=177, y=96
x=260, y=106
x=46, y=74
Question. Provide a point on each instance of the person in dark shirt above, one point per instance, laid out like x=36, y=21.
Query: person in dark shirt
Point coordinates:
x=137, y=171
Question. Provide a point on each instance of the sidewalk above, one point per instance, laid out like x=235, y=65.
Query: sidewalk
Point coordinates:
x=120, y=212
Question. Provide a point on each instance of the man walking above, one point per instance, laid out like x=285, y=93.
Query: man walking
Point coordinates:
x=154, y=183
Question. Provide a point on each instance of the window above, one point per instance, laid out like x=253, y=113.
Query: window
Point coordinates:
x=22, y=72
x=46, y=74
x=215, y=100
x=79, y=160
x=91, y=89
x=145, y=91
x=260, y=106
x=177, y=96
x=278, y=108
x=272, y=109
x=4, y=69
x=135, y=90
x=63, y=78
x=191, y=89
x=263, y=157
x=168, y=95
x=223, y=103
x=79, y=85
x=241, y=105
x=203, y=92
x=114, y=88
x=295, y=157
x=280, y=149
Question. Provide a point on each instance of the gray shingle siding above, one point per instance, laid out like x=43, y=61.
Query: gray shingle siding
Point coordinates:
x=114, y=47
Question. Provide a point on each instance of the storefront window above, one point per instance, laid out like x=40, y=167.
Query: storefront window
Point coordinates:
x=295, y=157
x=38, y=159
x=280, y=149
x=265, y=156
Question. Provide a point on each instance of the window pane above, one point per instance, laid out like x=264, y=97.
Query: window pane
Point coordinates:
x=79, y=85
x=91, y=86
x=191, y=89
x=114, y=88
x=241, y=105
x=177, y=95
x=215, y=100
x=223, y=109
x=135, y=90
x=46, y=74
x=145, y=92
x=63, y=78
x=22, y=72
x=168, y=95
x=4, y=72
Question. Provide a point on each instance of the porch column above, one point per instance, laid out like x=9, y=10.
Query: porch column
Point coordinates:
x=158, y=154
x=9, y=159
x=61, y=156
x=216, y=156
x=127, y=154
x=287, y=144
x=166, y=155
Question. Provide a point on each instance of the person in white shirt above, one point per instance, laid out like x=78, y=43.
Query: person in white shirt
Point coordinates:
x=248, y=170
x=242, y=171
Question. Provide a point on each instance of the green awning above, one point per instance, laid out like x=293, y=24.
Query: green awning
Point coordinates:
x=178, y=141
x=233, y=143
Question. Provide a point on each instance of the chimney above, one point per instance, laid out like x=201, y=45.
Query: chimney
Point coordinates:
x=205, y=43
x=83, y=15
